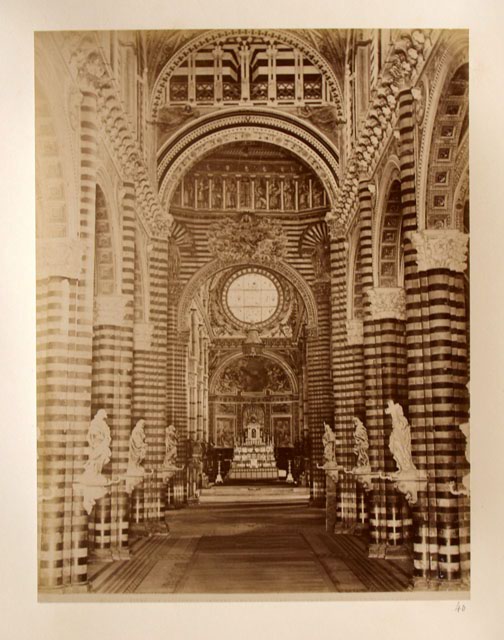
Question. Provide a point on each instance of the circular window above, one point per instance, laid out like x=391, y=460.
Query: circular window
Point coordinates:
x=252, y=297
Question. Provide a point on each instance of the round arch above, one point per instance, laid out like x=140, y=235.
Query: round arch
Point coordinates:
x=451, y=58
x=391, y=174
x=214, y=267
x=195, y=140
x=213, y=36
x=266, y=353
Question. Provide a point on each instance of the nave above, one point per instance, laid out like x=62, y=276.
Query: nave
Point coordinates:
x=249, y=549
x=252, y=266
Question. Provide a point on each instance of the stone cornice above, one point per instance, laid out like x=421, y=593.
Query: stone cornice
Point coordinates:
x=440, y=249
x=387, y=303
x=60, y=257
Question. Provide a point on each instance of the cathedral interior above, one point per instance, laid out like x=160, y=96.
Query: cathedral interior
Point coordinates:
x=252, y=311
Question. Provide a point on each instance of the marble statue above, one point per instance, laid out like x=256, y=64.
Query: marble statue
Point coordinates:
x=400, y=438
x=361, y=445
x=137, y=448
x=99, y=453
x=329, y=441
x=171, y=439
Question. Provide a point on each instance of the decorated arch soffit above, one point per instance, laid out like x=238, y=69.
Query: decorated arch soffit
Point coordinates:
x=267, y=354
x=441, y=119
x=387, y=226
x=201, y=137
x=212, y=268
x=213, y=37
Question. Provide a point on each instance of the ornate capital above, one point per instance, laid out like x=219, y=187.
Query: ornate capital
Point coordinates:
x=440, y=249
x=60, y=257
x=110, y=309
x=355, y=331
x=337, y=228
x=142, y=336
x=387, y=303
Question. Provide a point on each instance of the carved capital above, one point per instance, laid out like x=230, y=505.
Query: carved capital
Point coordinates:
x=337, y=229
x=387, y=303
x=440, y=249
x=142, y=336
x=60, y=257
x=355, y=332
x=110, y=309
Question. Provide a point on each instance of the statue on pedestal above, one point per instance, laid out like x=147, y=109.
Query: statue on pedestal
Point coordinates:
x=171, y=440
x=99, y=453
x=329, y=441
x=361, y=445
x=92, y=484
x=400, y=438
x=137, y=449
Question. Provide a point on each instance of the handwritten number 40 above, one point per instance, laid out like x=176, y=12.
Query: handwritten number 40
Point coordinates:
x=460, y=608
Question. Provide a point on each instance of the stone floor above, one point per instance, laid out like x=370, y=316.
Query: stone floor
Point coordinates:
x=249, y=548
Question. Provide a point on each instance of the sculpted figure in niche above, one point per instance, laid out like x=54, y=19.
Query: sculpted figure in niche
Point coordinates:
x=137, y=448
x=189, y=192
x=318, y=195
x=173, y=259
x=171, y=440
x=99, y=439
x=288, y=195
x=260, y=195
x=203, y=188
x=217, y=194
x=400, y=438
x=329, y=442
x=231, y=193
x=321, y=261
x=361, y=445
x=304, y=193
x=274, y=195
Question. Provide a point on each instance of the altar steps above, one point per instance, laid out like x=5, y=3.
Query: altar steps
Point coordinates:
x=254, y=493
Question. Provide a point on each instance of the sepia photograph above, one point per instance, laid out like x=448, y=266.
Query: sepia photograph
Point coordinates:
x=251, y=350
x=253, y=312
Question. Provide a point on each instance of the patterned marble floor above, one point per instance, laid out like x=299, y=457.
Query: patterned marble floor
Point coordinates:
x=249, y=549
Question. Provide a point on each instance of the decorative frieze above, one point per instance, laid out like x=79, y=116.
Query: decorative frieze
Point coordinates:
x=110, y=309
x=60, y=257
x=142, y=336
x=355, y=331
x=387, y=303
x=440, y=249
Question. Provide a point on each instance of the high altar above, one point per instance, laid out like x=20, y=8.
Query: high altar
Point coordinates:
x=254, y=458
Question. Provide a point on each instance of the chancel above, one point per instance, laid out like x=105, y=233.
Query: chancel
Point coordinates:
x=252, y=311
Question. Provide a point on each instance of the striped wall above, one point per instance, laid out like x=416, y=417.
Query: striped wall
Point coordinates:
x=347, y=377
x=319, y=384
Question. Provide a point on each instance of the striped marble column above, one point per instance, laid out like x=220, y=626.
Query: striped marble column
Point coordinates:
x=347, y=378
x=112, y=387
x=437, y=376
x=61, y=400
x=319, y=384
x=75, y=554
x=385, y=379
x=149, y=386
